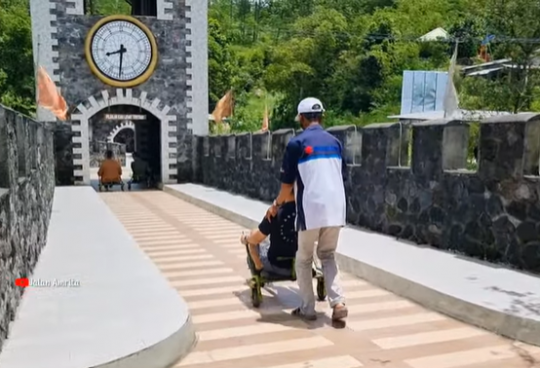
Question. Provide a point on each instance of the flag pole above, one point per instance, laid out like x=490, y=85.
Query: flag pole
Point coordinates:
x=232, y=102
x=36, y=66
x=266, y=114
x=450, y=96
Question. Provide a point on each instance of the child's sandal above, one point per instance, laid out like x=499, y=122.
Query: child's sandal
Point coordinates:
x=298, y=313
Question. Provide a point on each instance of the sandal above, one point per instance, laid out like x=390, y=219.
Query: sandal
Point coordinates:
x=298, y=313
x=339, y=312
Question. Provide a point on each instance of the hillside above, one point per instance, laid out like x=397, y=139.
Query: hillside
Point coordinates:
x=349, y=53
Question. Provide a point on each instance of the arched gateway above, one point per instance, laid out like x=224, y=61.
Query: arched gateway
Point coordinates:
x=151, y=69
x=86, y=111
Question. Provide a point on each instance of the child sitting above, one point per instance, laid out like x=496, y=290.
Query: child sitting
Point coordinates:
x=274, y=256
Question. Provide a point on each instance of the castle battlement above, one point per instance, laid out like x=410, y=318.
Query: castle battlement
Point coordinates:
x=412, y=181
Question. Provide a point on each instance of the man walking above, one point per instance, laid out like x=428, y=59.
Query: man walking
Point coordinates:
x=315, y=166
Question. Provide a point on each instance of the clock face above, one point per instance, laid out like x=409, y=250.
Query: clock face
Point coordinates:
x=121, y=50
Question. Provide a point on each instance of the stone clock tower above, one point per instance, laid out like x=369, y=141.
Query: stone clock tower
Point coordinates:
x=153, y=66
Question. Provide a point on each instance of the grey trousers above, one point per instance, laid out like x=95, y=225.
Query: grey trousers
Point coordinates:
x=327, y=239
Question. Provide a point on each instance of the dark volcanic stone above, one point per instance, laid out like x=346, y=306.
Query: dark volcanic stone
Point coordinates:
x=494, y=206
x=472, y=230
x=526, y=232
x=531, y=256
x=485, y=221
x=436, y=215
x=493, y=214
x=25, y=207
x=402, y=205
x=476, y=185
x=415, y=206
x=424, y=217
x=456, y=233
x=517, y=210
x=534, y=212
x=503, y=225
x=408, y=232
x=394, y=230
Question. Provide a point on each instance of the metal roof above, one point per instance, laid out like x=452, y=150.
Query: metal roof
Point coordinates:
x=434, y=35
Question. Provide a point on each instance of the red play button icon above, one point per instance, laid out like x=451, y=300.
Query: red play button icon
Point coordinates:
x=23, y=282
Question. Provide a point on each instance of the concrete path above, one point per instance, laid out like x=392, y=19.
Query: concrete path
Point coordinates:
x=490, y=296
x=95, y=299
x=200, y=254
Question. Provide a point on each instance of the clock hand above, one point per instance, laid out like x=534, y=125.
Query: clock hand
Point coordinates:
x=122, y=51
x=114, y=53
x=120, y=69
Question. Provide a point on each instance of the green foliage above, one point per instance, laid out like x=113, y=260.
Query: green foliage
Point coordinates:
x=108, y=7
x=16, y=62
x=349, y=53
x=220, y=62
x=352, y=54
x=248, y=116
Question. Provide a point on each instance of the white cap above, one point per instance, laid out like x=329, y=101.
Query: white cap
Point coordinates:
x=309, y=105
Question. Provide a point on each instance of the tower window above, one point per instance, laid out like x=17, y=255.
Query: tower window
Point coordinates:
x=107, y=7
x=143, y=7
x=133, y=7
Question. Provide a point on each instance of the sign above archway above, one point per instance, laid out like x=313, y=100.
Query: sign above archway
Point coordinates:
x=124, y=117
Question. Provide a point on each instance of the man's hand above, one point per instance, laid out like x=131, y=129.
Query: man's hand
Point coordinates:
x=243, y=239
x=271, y=212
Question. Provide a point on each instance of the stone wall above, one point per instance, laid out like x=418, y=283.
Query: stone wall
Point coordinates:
x=26, y=195
x=491, y=214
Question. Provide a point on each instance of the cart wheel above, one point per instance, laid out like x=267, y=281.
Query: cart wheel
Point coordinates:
x=321, y=289
x=255, y=300
x=256, y=292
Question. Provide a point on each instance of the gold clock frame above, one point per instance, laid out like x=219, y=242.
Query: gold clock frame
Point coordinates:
x=105, y=79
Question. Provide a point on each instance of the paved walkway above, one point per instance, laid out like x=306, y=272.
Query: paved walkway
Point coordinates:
x=200, y=254
x=95, y=300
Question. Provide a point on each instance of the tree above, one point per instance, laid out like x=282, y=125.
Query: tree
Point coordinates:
x=305, y=64
x=16, y=60
x=220, y=62
x=109, y=7
x=515, y=88
x=349, y=53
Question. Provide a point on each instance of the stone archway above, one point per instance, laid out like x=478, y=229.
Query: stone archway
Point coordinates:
x=122, y=131
x=86, y=110
x=119, y=128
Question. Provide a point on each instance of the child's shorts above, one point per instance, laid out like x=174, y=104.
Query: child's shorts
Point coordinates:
x=267, y=266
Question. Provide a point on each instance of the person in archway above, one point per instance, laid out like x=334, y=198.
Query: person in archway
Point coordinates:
x=110, y=172
x=141, y=170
